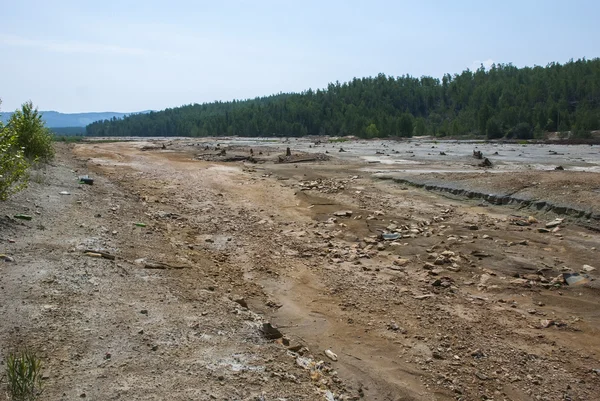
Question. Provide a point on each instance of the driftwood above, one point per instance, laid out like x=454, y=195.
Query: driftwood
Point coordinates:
x=102, y=254
x=485, y=163
x=299, y=160
x=239, y=158
x=221, y=157
x=162, y=266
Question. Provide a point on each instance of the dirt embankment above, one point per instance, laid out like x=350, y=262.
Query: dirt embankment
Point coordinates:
x=456, y=301
x=572, y=194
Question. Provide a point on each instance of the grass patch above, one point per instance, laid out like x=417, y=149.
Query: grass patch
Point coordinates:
x=338, y=140
x=24, y=375
x=67, y=138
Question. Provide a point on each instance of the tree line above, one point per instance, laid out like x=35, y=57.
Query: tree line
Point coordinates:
x=502, y=101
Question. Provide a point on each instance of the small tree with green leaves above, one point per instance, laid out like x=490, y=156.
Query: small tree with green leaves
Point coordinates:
x=420, y=127
x=371, y=131
x=32, y=134
x=13, y=165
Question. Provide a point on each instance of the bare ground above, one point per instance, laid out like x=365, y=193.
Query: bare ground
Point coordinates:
x=462, y=306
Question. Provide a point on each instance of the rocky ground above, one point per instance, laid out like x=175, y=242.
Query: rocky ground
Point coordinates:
x=381, y=291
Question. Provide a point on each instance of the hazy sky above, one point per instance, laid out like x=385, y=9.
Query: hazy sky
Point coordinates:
x=109, y=55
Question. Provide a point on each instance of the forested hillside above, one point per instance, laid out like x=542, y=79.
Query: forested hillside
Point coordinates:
x=502, y=101
x=54, y=119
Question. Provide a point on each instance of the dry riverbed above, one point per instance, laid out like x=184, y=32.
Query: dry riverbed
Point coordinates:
x=379, y=290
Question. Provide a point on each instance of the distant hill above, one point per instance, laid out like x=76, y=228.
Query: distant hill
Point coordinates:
x=55, y=119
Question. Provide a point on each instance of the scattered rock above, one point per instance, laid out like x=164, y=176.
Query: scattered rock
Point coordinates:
x=437, y=355
x=331, y=355
x=477, y=353
x=545, y=323
x=343, y=213
x=588, y=268
x=485, y=163
x=270, y=332
x=241, y=301
x=6, y=258
x=519, y=281
x=576, y=278
x=401, y=262
x=428, y=266
x=295, y=348
x=481, y=376
x=444, y=282
x=554, y=223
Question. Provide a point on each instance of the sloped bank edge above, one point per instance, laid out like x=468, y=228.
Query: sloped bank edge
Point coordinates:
x=506, y=200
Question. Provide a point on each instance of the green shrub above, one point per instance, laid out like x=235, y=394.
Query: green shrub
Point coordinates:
x=13, y=165
x=23, y=371
x=32, y=134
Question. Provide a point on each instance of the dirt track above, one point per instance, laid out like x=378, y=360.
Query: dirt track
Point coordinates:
x=454, y=309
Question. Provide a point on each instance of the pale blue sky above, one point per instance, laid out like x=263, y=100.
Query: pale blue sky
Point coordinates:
x=74, y=56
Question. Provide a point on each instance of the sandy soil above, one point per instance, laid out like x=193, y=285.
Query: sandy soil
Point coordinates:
x=468, y=303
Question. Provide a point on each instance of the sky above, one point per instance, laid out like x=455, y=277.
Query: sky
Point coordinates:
x=80, y=56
